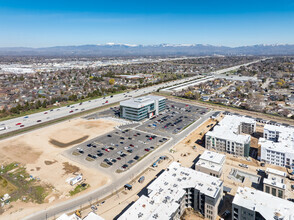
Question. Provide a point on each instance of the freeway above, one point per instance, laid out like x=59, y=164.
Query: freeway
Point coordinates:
x=118, y=181
x=45, y=116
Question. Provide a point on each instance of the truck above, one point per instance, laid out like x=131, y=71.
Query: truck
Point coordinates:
x=76, y=179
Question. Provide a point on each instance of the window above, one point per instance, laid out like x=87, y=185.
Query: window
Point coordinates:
x=274, y=191
x=280, y=193
x=267, y=189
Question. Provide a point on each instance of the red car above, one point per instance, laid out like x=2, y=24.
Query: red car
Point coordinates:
x=45, y=113
x=21, y=126
x=147, y=149
x=18, y=124
x=106, y=101
x=131, y=145
x=107, y=150
x=71, y=111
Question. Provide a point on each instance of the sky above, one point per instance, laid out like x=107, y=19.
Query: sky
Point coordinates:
x=31, y=23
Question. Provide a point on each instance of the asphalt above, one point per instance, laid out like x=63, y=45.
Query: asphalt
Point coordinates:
x=119, y=181
x=127, y=176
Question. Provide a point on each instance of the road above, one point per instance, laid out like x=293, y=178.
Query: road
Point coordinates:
x=119, y=181
x=45, y=116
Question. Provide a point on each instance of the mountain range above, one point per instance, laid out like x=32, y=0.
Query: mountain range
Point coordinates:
x=112, y=49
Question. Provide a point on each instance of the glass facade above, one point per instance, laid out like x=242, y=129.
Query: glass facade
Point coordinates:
x=137, y=114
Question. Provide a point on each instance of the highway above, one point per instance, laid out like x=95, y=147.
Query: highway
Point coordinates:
x=117, y=182
x=120, y=180
x=45, y=116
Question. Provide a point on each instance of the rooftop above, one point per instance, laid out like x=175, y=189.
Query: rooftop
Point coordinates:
x=213, y=157
x=211, y=160
x=275, y=172
x=228, y=128
x=258, y=201
x=141, y=101
x=168, y=189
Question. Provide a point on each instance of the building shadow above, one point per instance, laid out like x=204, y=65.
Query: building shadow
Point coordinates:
x=195, y=161
x=144, y=192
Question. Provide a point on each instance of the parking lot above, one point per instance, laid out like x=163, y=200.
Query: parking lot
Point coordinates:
x=120, y=149
x=174, y=119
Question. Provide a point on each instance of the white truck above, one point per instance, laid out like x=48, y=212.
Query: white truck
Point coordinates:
x=76, y=179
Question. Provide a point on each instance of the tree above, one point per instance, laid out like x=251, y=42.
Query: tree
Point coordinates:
x=111, y=81
x=44, y=104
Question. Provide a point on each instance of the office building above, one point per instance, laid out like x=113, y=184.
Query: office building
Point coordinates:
x=231, y=135
x=211, y=163
x=254, y=204
x=173, y=191
x=137, y=109
x=274, y=183
x=277, y=146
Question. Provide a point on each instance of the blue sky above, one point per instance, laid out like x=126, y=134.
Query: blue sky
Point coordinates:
x=31, y=23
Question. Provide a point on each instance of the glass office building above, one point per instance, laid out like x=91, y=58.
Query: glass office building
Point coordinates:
x=143, y=107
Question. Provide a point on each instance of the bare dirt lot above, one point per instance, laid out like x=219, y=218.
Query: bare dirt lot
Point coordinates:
x=43, y=159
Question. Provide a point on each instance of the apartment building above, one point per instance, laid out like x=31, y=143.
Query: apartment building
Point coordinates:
x=173, y=191
x=211, y=163
x=137, y=109
x=231, y=135
x=277, y=146
x=254, y=204
x=274, y=183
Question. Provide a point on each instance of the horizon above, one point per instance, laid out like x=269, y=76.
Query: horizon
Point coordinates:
x=146, y=45
x=40, y=24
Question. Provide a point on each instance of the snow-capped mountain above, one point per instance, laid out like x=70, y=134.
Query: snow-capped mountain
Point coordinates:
x=119, y=49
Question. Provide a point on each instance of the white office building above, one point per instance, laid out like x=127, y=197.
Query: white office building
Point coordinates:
x=231, y=135
x=173, y=191
x=277, y=146
x=211, y=163
x=140, y=108
x=254, y=204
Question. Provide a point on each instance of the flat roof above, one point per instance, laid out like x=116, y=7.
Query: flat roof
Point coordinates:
x=165, y=193
x=93, y=216
x=282, y=147
x=213, y=157
x=228, y=129
x=275, y=172
x=275, y=178
x=141, y=101
x=211, y=160
x=266, y=204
